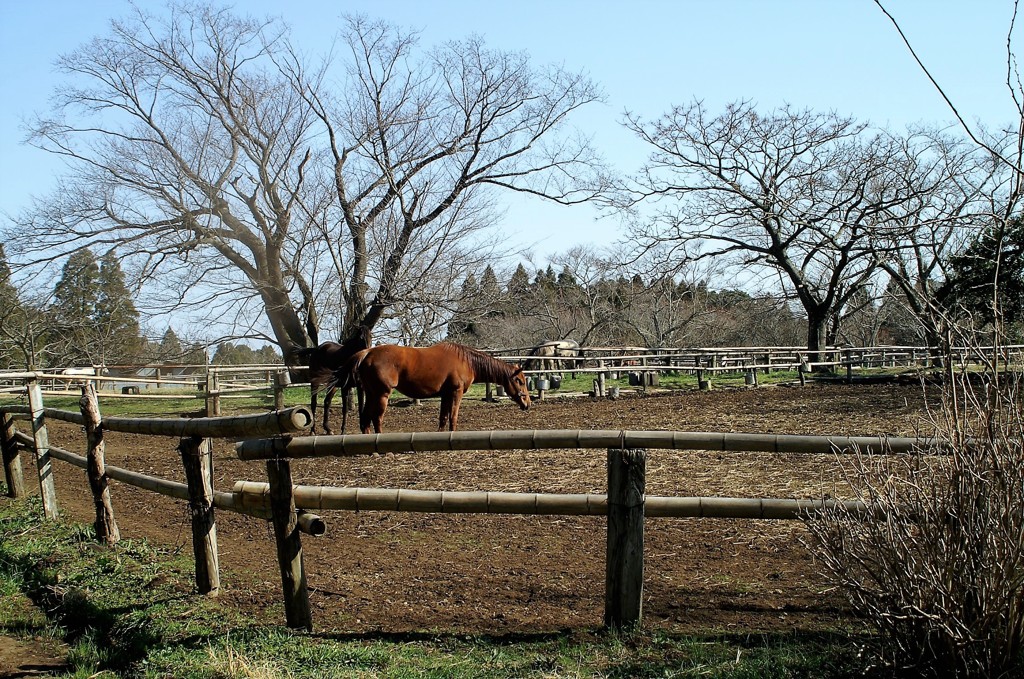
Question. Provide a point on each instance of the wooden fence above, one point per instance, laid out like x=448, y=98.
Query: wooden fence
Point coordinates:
x=643, y=365
x=196, y=454
x=291, y=508
x=626, y=504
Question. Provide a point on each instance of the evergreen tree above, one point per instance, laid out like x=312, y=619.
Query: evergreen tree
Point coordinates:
x=229, y=353
x=989, y=271
x=75, y=296
x=170, y=347
x=12, y=314
x=267, y=355
x=490, y=292
x=566, y=279
x=462, y=326
x=519, y=284
x=116, y=318
x=94, y=319
x=545, y=280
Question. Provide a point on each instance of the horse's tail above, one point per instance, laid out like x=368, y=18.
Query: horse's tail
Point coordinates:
x=347, y=377
x=302, y=352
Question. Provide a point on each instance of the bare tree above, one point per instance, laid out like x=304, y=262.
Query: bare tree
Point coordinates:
x=579, y=306
x=794, y=194
x=419, y=142
x=954, y=190
x=204, y=149
x=187, y=155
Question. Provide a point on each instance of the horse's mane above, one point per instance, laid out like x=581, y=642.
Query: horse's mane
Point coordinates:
x=486, y=367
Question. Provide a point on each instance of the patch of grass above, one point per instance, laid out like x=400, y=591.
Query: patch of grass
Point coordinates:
x=131, y=611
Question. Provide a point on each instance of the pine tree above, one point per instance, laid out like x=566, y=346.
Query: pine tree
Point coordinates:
x=94, y=318
x=490, y=292
x=170, y=347
x=72, y=335
x=462, y=327
x=12, y=314
x=519, y=283
x=229, y=354
x=987, y=278
x=115, y=316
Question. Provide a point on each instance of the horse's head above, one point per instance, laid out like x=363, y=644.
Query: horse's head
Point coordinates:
x=517, y=389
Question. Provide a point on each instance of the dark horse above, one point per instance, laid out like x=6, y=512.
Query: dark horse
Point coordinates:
x=444, y=370
x=323, y=361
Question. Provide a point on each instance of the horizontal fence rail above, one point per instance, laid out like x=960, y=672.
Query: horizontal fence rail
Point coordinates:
x=263, y=424
x=222, y=500
x=256, y=496
x=366, y=444
x=218, y=381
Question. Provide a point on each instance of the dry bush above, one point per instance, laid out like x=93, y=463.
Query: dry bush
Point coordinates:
x=941, y=574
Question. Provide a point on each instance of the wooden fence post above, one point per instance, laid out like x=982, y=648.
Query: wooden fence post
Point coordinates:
x=289, y=546
x=849, y=365
x=106, y=526
x=197, y=458
x=624, y=565
x=41, y=444
x=12, y=460
x=702, y=383
x=281, y=380
x=212, y=393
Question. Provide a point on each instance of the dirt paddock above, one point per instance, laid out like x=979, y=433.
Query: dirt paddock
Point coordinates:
x=398, y=572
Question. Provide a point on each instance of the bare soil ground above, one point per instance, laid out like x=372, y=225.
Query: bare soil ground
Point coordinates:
x=398, y=572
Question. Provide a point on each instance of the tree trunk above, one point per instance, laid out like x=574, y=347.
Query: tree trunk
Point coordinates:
x=938, y=345
x=285, y=322
x=817, y=340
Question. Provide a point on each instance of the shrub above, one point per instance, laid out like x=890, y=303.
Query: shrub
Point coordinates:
x=940, y=573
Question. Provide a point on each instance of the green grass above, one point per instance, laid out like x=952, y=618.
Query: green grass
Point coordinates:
x=132, y=612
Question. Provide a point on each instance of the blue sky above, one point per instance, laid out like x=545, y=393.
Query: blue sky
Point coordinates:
x=646, y=54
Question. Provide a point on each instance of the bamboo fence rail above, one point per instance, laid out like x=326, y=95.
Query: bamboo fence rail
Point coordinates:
x=365, y=444
x=264, y=424
x=232, y=501
x=256, y=496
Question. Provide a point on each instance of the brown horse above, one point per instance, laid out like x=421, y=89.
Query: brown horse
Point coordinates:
x=444, y=370
x=323, y=361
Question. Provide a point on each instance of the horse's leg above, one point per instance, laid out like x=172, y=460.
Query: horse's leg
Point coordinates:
x=456, y=402
x=445, y=415
x=313, y=395
x=373, y=413
x=328, y=397
x=382, y=406
x=359, y=400
x=346, y=396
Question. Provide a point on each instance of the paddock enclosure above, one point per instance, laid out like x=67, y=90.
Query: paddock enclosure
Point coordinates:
x=396, y=572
